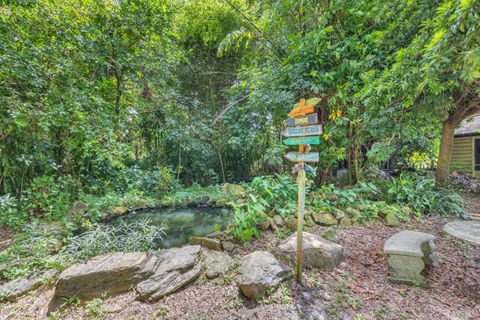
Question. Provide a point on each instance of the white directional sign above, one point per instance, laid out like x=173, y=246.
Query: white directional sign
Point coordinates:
x=305, y=157
x=314, y=130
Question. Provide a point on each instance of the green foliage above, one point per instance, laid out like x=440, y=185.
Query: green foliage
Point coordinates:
x=36, y=247
x=122, y=237
x=264, y=194
x=419, y=193
x=47, y=198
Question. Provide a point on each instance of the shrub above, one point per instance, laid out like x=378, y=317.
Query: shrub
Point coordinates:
x=419, y=193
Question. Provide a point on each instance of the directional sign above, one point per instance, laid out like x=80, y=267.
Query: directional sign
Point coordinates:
x=302, y=121
x=309, y=102
x=304, y=107
x=314, y=130
x=302, y=140
x=305, y=157
x=301, y=111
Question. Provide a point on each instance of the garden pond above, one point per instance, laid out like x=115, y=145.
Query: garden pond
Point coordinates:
x=182, y=223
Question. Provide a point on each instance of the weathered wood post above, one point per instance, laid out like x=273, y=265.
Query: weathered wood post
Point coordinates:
x=302, y=130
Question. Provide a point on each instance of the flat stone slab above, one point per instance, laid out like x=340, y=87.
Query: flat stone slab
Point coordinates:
x=18, y=287
x=109, y=274
x=407, y=243
x=209, y=243
x=465, y=230
x=169, y=271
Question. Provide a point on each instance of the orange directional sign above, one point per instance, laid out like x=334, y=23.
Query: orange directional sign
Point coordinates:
x=304, y=107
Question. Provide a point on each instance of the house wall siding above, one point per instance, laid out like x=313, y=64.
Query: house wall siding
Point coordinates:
x=462, y=154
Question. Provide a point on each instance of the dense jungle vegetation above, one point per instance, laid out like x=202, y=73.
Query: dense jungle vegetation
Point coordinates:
x=115, y=100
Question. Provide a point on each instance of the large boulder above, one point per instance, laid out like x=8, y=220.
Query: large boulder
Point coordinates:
x=216, y=263
x=171, y=270
x=317, y=251
x=106, y=274
x=260, y=271
x=18, y=287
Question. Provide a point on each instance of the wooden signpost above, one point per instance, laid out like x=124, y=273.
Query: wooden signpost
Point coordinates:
x=302, y=130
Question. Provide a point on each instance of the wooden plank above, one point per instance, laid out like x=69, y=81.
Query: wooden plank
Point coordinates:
x=302, y=121
x=302, y=140
x=301, y=111
x=314, y=130
x=303, y=157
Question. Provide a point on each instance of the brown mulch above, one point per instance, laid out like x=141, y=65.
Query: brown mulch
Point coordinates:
x=357, y=289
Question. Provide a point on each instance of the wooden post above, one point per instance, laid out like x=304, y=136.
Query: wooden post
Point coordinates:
x=300, y=213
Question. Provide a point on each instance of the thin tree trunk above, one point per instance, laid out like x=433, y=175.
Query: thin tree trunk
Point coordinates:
x=221, y=166
x=445, y=152
x=179, y=162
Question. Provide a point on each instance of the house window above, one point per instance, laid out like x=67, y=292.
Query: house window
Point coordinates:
x=477, y=154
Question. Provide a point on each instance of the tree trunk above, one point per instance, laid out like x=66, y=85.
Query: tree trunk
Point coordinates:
x=445, y=152
x=466, y=106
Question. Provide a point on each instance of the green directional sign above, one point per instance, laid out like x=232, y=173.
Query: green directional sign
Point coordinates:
x=305, y=157
x=302, y=140
x=302, y=121
x=314, y=130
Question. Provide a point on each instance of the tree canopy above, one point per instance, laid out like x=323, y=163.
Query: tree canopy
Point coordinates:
x=104, y=95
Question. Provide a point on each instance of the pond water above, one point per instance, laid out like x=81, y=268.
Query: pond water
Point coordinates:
x=184, y=222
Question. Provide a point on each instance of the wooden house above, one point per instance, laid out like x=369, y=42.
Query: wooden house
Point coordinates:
x=466, y=147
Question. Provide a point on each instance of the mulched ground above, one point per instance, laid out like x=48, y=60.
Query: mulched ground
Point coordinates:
x=356, y=290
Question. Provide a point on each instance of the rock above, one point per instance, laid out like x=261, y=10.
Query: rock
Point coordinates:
x=106, y=274
x=391, y=220
x=291, y=223
x=260, y=271
x=278, y=221
x=18, y=287
x=220, y=235
x=161, y=285
x=324, y=219
x=317, y=252
x=216, y=263
x=233, y=190
x=209, y=243
x=345, y=222
x=265, y=225
x=352, y=213
x=119, y=211
x=228, y=245
x=172, y=269
x=330, y=235
x=338, y=214
x=78, y=207
x=309, y=221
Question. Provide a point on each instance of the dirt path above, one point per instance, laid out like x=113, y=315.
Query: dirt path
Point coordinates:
x=356, y=290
